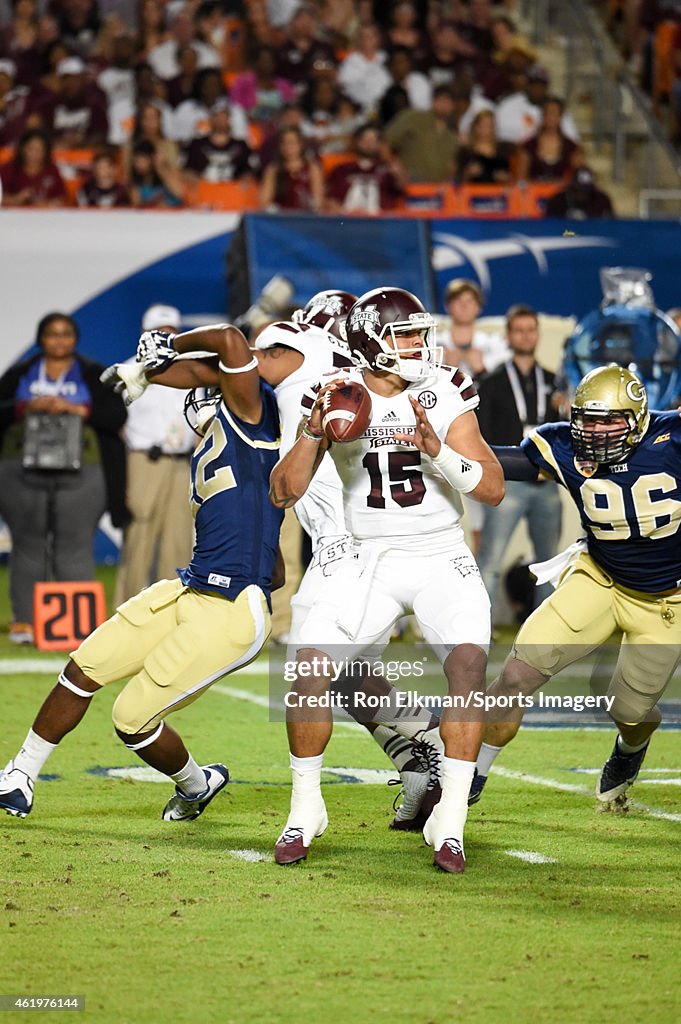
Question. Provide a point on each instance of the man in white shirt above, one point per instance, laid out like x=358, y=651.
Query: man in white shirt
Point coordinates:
x=518, y=115
x=159, y=443
x=363, y=75
x=163, y=58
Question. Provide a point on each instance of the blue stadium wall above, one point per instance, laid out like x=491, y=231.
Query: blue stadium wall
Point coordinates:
x=106, y=268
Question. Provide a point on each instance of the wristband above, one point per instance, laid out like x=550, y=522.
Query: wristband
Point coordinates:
x=253, y=365
x=462, y=474
x=310, y=434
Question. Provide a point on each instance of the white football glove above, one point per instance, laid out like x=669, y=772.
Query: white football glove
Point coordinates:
x=126, y=379
x=155, y=350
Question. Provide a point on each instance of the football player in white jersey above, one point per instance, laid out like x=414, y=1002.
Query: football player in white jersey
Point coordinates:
x=292, y=356
x=401, y=482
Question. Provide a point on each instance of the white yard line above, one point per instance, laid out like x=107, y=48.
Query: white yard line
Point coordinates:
x=566, y=787
x=530, y=857
x=252, y=856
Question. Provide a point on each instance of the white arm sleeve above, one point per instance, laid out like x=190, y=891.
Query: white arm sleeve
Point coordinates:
x=462, y=474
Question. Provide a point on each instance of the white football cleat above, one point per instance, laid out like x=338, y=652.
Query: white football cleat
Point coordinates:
x=16, y=791
x=186, y=808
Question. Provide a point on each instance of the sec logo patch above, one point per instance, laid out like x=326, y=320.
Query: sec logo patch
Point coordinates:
x=428, y=399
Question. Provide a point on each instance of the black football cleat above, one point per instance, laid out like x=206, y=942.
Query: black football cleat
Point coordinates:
x=477, y=786
x=619, y=773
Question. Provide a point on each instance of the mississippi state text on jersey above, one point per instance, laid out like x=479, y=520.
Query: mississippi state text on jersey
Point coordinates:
x=392, y=491
x=631, y=510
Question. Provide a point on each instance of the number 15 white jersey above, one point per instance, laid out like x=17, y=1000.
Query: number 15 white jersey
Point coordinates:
x=392, y=492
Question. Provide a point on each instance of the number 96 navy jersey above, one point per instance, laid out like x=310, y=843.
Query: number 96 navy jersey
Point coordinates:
x=631, y=510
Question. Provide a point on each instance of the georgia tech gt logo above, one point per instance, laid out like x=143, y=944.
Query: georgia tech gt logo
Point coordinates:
x=635, y=390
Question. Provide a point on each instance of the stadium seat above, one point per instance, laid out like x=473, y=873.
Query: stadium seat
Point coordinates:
x=427, y=198
x=224, y=195
x=490, y=201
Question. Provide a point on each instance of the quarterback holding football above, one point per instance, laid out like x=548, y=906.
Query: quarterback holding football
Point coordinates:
x=420, y=447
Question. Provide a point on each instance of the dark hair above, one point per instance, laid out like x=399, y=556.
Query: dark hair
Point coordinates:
x=394, y=99
x=368, y=126
x=33, y=133
x=398, y=49
x=49, y=50
x=48, y=319
x=206, y=9
x=143, y=148
x=519, y=309
x=203, y=76
x=443, y=89
x=105, y=153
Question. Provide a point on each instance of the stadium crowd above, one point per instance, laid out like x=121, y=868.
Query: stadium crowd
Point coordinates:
x=310, y=106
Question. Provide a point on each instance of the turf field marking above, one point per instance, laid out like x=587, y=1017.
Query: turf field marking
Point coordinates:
x=367, y=776
x=252, y=856
x=673, y=775
x=145, y=773
x=566, y=787
x=530, y=856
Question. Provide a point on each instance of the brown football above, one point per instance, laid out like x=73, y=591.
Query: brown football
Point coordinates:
x=346, y=412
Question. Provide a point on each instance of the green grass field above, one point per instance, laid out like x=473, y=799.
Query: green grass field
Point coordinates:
x=152, y=921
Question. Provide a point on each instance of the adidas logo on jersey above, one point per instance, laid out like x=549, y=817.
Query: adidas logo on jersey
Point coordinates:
x=390, y=417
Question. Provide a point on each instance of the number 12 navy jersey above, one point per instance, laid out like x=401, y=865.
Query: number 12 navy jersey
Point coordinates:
x=237, y=526
x=631, y=510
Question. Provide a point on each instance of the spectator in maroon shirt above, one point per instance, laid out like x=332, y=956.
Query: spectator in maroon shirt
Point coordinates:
x=294, y=180
x=403, y=30
x=549, y=155
x=103, y=189
x=31, y=179
x=77, y=115
x=581, y=199
x=181, y=87
x=19, y=41
x=302, y=48
x=366, y=184
x=217, y=156
x=79, y=24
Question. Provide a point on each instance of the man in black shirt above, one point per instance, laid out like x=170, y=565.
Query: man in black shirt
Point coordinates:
x=513, y=399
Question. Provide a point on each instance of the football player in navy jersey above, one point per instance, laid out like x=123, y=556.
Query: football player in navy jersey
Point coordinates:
x=621, y=465
x=177, y=637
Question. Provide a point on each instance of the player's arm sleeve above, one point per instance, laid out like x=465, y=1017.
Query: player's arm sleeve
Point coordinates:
x=515, y=463
x=538, y=448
